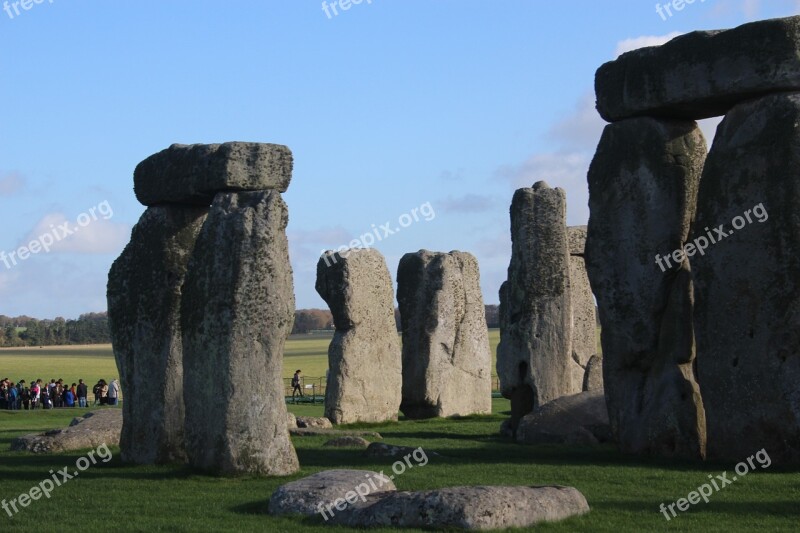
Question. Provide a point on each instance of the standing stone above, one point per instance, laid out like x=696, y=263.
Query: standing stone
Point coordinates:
x=593, y=379
x=534, y=357
x=747, y=288
x=446, y=356
x=584, y=318
x=237, y=310
x=364, y=380
x=144, y=299
x=642, y=191
x=703, y=73
x=194, y=174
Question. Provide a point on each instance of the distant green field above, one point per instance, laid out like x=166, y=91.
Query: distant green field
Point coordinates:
x=91, y=363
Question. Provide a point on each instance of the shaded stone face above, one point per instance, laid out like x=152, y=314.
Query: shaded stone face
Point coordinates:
x=747, y=312
x=446, y=354
x=194, y=174
x=237, y=310
x=642, y=190
x=534, y=357
x=703, y=73
x=584, y=319
x=144, y=295
x=364, y=358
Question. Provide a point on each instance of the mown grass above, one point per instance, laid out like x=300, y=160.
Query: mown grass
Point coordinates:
x=624, y=492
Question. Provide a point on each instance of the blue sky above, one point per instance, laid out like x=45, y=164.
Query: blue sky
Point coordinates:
x=387, y=106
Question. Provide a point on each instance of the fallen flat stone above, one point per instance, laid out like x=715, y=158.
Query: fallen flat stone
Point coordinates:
x=380, y=449
x=747, y=289
x=194, y=174
x=313, y=422
x=577, y=419
x=321, y=432
x=478, y=508
x=90, y=431
x=347, y=442
x=309, y=495
x=702, y=74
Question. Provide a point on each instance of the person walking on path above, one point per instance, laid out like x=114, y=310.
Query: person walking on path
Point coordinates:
x=296, y=384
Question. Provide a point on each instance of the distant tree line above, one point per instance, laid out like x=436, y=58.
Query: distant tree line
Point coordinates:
x=92, y=328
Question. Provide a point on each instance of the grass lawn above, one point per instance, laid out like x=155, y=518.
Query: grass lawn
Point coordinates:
x=624, y=492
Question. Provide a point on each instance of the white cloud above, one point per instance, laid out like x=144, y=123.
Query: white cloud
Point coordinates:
x=11, y=184
x=469, y=203
x=581, y=129
x=643, y=41
x=99, y=236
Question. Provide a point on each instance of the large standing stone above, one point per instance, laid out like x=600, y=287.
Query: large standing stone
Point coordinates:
x=144, y=297
x=642, y=191
x=364, y=380
x=747, y=313
x=193, y=174
x=703, y=73
x=446, y=356
x=237, y=310
x=584, y=318
x=534, y=357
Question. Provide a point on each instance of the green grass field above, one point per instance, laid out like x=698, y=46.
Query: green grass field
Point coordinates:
x=624, y=492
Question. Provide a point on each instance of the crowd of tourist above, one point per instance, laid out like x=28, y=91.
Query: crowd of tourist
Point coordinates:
x=56, y=394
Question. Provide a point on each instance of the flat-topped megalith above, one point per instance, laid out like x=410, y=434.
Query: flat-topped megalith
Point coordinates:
x=193, y=174
x=447, y=362
x=703, y=73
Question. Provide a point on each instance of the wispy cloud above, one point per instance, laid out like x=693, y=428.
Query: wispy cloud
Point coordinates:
x=98, y=237
x=468, y=203
x=11, y=184
x=643, y=41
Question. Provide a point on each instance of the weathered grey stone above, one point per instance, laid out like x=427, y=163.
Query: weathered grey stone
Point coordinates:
x=320, y=432
x=364, y=381
x=237, y=310
x=472, y=508
x=593, y=379
x=534, y=357
x=703, y=73
x=447, y=361
x=747, y=289
x=313, y=422
x=144, y=296
x=576, y=419
x=347, y=441
x=309, y=495
x=193, y=174
x=95, y=429
x=642, y=191
x=584, y=318
x=291, y=421
x=381, y=449
x=576, y=239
